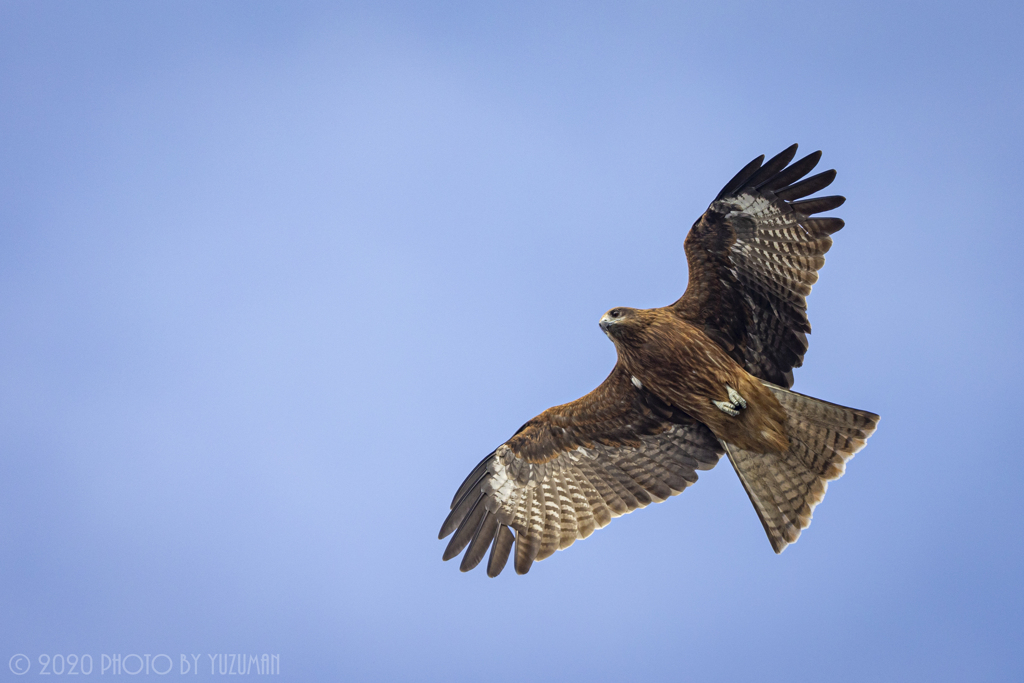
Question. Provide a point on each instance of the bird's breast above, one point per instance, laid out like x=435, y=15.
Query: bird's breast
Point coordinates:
x=688, y=370
x=676, y=354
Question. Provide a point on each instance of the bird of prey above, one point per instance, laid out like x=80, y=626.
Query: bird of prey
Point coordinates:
x=707, y=375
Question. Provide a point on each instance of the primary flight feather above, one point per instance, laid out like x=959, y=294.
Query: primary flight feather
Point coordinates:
x=707, y=375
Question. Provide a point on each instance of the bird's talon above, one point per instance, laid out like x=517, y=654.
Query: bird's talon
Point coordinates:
x=735, y=398
x=727, y=408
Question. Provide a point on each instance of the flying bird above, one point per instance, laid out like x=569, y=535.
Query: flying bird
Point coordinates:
x=706, y=375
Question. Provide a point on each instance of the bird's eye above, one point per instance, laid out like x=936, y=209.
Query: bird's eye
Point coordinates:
x=616, y=313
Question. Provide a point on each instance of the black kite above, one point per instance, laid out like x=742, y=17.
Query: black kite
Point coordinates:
x=708, y=374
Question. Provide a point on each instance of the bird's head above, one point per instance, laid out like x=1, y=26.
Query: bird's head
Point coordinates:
x=619, y=321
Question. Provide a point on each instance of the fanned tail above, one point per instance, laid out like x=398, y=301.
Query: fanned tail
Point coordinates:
x=785, y=487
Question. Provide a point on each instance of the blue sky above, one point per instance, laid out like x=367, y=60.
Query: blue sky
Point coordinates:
x=274, y=277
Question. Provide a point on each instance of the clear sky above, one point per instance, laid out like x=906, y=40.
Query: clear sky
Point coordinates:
x=275, y=276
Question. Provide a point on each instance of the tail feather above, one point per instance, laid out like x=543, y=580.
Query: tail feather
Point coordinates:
x=785, y=487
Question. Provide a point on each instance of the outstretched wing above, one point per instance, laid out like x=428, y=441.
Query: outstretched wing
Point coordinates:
x=753, y=257
x=572, y=469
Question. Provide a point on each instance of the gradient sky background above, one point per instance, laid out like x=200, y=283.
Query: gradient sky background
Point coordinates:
x=274, y=277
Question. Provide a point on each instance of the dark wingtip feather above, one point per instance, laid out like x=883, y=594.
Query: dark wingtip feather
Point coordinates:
x=468, y=481
x=455, y=516
x=773, y=166
x=449, y=525
x=820, y=227
x=500, y=550
x=807, y=186
x=458, y=513
x=792, y=174
x=740, y=178
x=481, y=542
x=465, y=532
x=819, y=204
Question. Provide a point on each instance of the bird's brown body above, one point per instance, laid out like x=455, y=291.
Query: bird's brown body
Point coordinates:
x=692, y=372
x=707, y=375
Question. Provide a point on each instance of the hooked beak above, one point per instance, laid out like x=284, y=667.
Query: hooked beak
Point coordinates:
x=606, y=322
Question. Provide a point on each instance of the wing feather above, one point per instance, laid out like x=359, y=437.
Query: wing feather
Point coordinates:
x=772, y=166
x=806, y=187
x=551, y=534
x=569, y=527
x=584, y=496
x=467, y=528
x=485, y=532
x=754, y=256
x=741, y=178
x=500, y=549
x=818, y=205
x=471, y=481
x=795, y=172
x=571, y=470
